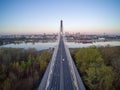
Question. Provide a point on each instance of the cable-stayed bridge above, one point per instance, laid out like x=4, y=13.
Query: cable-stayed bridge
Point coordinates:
x=61, y=73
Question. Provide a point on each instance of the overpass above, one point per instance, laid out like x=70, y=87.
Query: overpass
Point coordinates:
x=61, y=73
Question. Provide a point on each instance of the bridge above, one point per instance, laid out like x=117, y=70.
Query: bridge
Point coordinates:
x=61, y=73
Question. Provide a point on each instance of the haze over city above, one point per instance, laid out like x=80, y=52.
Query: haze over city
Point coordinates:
x=43, y=16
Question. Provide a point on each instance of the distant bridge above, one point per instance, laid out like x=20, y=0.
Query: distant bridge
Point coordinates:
x=61, y=73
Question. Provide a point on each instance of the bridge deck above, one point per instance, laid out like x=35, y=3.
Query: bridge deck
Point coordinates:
x=61, y=73
x=61, y=79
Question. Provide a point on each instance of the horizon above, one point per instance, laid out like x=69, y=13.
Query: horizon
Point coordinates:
x=71, y=33
x=36, y=17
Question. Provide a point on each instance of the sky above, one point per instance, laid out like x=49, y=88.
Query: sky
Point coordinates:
x=43, y=16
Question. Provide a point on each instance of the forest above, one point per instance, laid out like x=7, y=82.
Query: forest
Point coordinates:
x=99, y=67
x=22, y=69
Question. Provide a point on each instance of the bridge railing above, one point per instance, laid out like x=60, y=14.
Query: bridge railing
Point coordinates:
x=78, y=83
x=48, y=73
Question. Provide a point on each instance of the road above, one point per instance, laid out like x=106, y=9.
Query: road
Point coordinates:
x=61, y=78
x=61, y=73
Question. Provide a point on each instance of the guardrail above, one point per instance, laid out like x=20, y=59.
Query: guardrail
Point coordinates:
x=76, y=77
x=48, y=73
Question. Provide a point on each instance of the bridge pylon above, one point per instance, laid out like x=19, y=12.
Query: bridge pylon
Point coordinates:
x=61, y=27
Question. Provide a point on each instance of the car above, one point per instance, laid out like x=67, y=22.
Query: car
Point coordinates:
x=63, y=59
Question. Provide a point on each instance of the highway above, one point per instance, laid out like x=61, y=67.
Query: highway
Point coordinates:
x=61, y=78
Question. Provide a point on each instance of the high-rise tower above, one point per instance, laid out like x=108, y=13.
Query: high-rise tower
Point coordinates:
x=61, y=27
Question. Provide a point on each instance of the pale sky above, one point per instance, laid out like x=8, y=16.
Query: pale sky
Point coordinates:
x=43, y=16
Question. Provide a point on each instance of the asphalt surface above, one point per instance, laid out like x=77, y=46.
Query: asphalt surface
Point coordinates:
x=61, y=78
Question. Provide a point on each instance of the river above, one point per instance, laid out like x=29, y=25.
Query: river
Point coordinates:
x=42, y=46
x=80, y=45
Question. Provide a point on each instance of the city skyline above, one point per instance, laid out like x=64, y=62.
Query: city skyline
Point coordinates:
x=43, y=16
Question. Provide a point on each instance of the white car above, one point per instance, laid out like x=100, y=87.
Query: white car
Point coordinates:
x=63, y=59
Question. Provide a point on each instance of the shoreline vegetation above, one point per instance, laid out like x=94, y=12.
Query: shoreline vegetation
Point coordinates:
x=99, y=67
x=22, y=69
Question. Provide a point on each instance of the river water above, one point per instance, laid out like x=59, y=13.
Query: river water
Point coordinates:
x=98, y=44
x=41, y=46
x=37, y=46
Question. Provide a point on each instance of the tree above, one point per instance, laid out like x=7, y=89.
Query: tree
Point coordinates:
x=6, y=84
x=85, y=56
x=108, y=54
x=101, y=79
x=96, y=74
x=22, y=69
x=23, y=65
x=116, y=67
